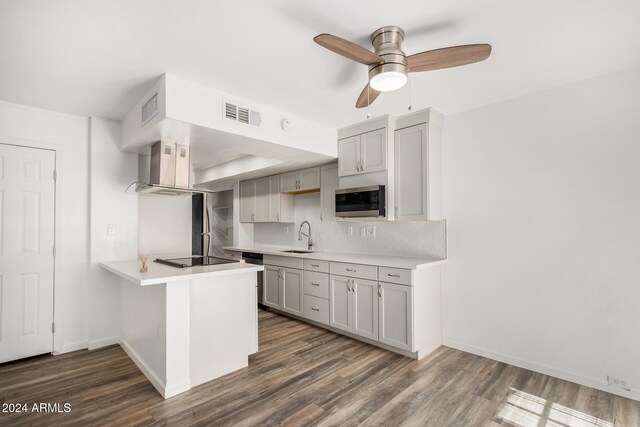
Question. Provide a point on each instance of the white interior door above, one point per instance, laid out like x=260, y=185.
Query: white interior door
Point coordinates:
x=27, y=194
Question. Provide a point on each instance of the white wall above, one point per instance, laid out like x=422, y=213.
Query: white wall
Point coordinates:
x=393, y=238
x=542, y=199
x=165, y=225
x=68, y=135
x=111, y=172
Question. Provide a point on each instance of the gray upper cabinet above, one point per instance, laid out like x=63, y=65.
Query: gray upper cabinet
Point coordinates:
x=363, y=153
x=262, y=201
x=328, y=187
x=349, y=156
x=373, y=151
x=417, y=170
x=247, y=201
x=300, y=181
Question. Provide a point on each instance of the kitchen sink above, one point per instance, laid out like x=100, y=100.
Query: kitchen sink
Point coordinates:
x=296, y=251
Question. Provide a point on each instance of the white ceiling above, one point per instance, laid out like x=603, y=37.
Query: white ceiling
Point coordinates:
x=98, y=57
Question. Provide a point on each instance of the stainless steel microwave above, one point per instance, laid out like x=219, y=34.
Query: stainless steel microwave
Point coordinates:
x=361, y=201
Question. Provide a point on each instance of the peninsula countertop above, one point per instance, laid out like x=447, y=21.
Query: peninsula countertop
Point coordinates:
x=406, y=262
x=159, y=273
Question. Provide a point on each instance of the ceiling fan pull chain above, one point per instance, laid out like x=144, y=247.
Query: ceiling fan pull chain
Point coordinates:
x=410, y=94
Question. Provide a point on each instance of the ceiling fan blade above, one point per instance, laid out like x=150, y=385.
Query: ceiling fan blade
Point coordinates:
x=367, y=96
x=347, y=49
x=448, y=57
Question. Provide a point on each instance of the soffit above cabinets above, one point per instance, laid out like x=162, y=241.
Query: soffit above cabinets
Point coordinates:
x=227, y=136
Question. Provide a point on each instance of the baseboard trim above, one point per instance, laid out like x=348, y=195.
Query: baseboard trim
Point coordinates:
x=148, y=372
x=73, y=346
x=543, y=369
x=103, y=342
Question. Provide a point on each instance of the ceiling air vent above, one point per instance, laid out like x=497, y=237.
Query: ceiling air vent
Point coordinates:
x=150, y=109
x=242, y=114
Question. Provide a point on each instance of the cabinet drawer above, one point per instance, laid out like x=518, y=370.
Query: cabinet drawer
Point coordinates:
x=316, y=309
x=283, y=261
x=316, y=265
x=316, y=284
x=354, y=270
x=395, y=275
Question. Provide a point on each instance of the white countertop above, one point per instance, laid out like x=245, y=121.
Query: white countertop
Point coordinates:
x=410, y=263
x=160, y=273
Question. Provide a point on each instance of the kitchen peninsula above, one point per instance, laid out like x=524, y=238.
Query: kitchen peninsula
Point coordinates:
x=186, y=326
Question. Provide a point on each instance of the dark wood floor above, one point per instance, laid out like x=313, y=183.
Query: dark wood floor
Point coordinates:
x=304, y=375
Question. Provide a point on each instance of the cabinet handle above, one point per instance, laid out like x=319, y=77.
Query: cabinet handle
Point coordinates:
x=393, y=275
x=315, y=265
x=352, y=271
x=315, y=309
x=379, y=290
x=315, y=284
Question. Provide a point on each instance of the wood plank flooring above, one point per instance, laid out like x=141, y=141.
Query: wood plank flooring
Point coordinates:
x=304, y=375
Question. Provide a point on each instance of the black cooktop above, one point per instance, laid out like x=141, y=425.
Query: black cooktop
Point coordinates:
x=193, y=261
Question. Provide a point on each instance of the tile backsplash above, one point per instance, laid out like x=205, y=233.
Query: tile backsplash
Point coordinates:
x=419, y=238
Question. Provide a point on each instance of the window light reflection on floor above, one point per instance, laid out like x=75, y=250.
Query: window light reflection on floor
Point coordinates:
x=526, y=410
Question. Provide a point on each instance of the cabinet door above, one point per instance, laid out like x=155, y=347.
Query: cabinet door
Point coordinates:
x=329, y=178
x=274, y=198
x=292, y=291
x=247, y=201
x=395, y=309
x=289, y=182
x=365, y=308
x=349, y=156
x=271, y=283
x=309, y=179
x=340, y=301
x=373, y=151
x=262, y=200
x=411, y=173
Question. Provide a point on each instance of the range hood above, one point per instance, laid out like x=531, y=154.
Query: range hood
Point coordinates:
x=169, y=172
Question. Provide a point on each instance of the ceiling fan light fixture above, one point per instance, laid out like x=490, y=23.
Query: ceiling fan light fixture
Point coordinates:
x=386, y=82
x=388, y=77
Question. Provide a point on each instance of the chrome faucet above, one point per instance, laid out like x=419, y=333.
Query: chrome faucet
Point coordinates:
x=300, y=234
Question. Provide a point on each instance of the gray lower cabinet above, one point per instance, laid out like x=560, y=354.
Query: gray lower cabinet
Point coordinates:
x=271, y=283
x=354, y=305
x=292, y=290
x=283, y=289
x=396, y=313
x=340, y=303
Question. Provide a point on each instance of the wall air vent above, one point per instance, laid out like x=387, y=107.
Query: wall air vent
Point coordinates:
x=150, y=109
x=242, y=114
x=231, y=111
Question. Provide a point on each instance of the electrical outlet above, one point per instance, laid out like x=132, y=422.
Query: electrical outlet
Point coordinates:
x=618, y=383
x=111, y=229
x=371, y=231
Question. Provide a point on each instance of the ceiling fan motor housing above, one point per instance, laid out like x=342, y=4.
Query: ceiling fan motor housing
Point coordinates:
x=387, y=42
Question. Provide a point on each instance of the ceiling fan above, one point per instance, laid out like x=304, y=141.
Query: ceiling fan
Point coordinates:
x=389, y=66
